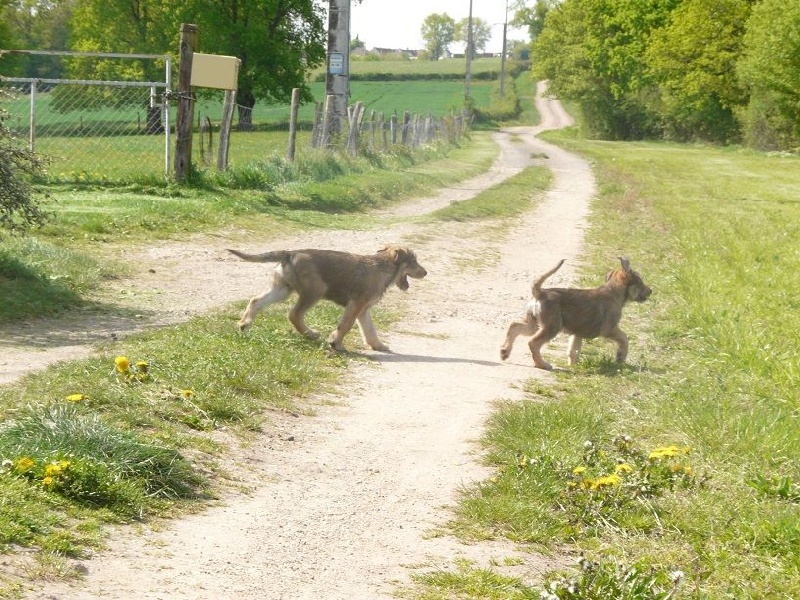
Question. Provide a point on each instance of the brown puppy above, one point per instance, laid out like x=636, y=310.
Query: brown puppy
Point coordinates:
x=354, y=281
x=583, y=313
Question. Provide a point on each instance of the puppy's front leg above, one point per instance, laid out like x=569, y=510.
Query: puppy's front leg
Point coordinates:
x=574, y=349
x=369, y=333
x=622, y=343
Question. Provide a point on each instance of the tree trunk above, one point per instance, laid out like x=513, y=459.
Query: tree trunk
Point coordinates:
x=246, y=102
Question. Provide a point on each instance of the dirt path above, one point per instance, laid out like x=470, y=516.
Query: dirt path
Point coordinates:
x=342, y=505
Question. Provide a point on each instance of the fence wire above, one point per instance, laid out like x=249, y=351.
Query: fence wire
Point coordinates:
x=97, y=131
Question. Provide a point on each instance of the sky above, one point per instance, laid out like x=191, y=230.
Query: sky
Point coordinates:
x=397, y=24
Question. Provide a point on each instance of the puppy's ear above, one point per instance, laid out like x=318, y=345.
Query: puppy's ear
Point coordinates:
x=626, y=264
x=397, y=254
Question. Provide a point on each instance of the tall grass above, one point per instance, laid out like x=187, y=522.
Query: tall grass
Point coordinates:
x=703, y=417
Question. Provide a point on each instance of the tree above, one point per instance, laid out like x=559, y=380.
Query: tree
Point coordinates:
x=693, y=60
x=438, y=31
x=592, y=53
x=277, y=41
x=19, y=205
x=481, y=34
x=770, y=69
x=531, y=17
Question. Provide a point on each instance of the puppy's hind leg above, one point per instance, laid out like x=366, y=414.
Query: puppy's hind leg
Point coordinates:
x=278, y=293
x=539, y=339
x=297, y=316
x=351, y=312
x=517, y=328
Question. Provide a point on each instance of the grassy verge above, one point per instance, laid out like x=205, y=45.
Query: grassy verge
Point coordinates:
x=678, y=474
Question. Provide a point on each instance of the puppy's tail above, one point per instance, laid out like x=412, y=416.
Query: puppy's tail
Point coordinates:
x=273, y=256
x=536, y=289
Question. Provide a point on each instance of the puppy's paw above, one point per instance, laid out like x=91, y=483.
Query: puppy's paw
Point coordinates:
x=505, y=353
x=544, y=365
x=244, y=325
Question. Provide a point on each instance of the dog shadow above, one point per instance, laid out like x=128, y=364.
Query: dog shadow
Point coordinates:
x=389, y=357
x=606, y=367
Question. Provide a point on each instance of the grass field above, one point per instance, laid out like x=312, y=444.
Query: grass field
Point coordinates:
x=101, y=152
x=679, y=473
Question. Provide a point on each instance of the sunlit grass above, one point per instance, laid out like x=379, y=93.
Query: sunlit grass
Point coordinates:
x=715, y=233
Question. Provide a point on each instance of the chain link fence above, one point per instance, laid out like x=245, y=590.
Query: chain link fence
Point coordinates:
x=91, y=129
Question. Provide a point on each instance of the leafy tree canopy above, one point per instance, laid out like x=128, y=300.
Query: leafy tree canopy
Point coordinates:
x=438, y=31
x=770, y=69
x=481, y=34
x=19, y=204
x=693, y=58
x=276, y=40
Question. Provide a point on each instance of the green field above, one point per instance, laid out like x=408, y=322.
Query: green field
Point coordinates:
x=108, y=143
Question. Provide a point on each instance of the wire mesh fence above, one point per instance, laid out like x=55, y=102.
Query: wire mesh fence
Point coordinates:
x=102, y=130
x=121, y=130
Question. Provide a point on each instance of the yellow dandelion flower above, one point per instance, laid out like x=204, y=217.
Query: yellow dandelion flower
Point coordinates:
x=123, y=364
x=187, y=394
x=52, y=470
x=142, y=366
x=623, y=468
x=665, y=452
x=24, y=464
x=76, y=397
x=579, y=470
x=607, y=481
x=47, y=481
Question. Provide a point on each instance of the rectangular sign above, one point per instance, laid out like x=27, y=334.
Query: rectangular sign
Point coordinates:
x=336, y=63
x=215, y=71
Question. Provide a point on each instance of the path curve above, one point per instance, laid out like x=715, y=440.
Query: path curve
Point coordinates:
x=342, y=505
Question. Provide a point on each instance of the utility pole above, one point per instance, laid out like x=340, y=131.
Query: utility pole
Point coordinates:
x=503, y=57
x=469, y=54
x=337, y=81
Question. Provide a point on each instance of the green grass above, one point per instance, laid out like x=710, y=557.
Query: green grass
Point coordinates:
x=715, y=233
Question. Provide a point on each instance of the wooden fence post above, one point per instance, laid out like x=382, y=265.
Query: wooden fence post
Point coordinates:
x=183, y=128
x=293, y=124
x=225, y=130
x=327, y=121
x=355, y=117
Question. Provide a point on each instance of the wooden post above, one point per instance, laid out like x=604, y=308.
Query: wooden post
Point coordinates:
x=327, y=121
x=406, y=123
x=225, y=130
x=355, y=125
x=393, y=125
x=293, y=124
x=183, y=128
x=382, y=129
x=337, y=80
x=316, y=135
x=372, y=129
